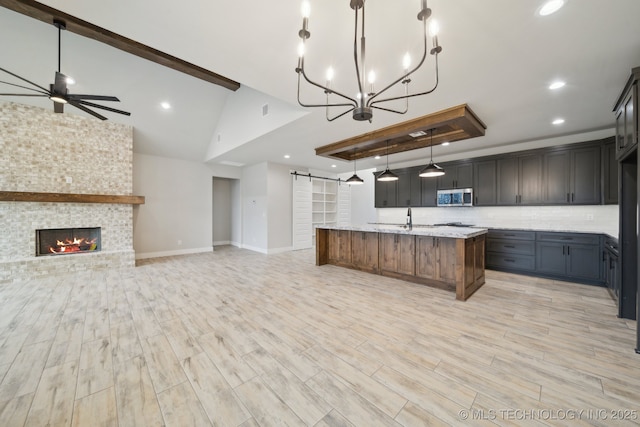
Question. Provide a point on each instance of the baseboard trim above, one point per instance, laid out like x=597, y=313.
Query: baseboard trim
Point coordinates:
x=148, y=255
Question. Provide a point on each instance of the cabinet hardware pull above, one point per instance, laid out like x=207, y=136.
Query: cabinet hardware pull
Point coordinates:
x=563, y=249
x=510, y=235
x=509, y=260
x=567, y=197
x=568, y=250
x=509, y=246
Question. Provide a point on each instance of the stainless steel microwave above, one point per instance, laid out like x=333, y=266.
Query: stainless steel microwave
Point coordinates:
x=455, y=197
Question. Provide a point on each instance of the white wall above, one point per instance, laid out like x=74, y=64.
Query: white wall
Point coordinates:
x=177, y=215
x=222, y=207
x=362, y=198
x=280, y=208
x=255, y=208
x=236, y=213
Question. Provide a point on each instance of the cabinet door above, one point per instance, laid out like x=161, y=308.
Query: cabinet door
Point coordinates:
x=583, y=261
x=610, y=174
x=556, y=178
x=388, y=252
x=448, y=180
x=407, y=254
x=484, y=180
x=426, y=257
x=464, y=176
x=620, y=131
x=385, y=193
x=550, y=258
x=507, y=181
x=409, y=191
x=585, y=175
x=529, y=179
x=429, y=187
x=629, y=121
x=447, y=259
x=364, y=250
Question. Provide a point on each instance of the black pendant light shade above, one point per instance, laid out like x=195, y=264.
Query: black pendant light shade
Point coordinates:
x=387, y=175
x=355, y=179
x=431, y=170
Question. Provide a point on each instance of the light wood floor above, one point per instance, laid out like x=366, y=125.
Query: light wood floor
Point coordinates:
x=236, y=338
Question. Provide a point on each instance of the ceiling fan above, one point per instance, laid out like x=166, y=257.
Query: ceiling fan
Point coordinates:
x=58, y=91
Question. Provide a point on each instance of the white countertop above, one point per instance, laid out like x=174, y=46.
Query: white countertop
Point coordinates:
x=418, y=230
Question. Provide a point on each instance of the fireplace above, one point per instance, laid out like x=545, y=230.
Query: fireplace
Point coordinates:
x=64, y=241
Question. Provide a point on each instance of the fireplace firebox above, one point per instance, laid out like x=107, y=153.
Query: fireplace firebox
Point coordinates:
x=64, y=241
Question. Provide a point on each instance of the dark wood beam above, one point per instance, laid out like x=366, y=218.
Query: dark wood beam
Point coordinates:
x=453, y=124
x=23, y=196
x=78, y=26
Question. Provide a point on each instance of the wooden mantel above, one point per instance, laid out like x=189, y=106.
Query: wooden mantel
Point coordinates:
x=21, y=196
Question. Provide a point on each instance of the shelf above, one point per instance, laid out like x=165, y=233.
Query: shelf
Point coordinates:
x=20, y=196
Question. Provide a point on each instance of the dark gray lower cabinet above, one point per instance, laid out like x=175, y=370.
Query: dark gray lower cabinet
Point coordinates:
x=565, y=256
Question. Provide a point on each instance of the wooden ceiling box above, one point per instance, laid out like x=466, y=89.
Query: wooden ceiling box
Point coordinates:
x=452, y=124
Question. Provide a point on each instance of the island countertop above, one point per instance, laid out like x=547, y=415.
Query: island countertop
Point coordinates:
x=417, y=230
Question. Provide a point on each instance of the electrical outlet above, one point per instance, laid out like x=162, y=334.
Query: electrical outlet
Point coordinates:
x=589, y=217
x=68, y=179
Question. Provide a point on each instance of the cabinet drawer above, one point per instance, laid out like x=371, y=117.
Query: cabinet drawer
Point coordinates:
x=515, y=262
x=521, y=247
x=512, y=234
x=576, y=238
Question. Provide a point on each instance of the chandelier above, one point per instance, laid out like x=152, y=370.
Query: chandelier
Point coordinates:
x=364, y=102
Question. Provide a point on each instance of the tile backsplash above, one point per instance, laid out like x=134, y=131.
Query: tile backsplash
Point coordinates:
x=593, y=218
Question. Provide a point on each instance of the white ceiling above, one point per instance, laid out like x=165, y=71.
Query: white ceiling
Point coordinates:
x=499, y=57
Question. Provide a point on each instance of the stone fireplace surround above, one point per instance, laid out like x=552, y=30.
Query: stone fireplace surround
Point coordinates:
x=63, y=153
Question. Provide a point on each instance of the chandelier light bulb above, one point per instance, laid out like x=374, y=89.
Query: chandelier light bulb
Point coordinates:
x=434, y=28
x=305, y=9
x=330, y=74
x=301, y=49
x=372, y=77
x=406, y=61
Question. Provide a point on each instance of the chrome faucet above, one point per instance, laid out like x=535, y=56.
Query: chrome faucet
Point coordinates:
x=409, y=219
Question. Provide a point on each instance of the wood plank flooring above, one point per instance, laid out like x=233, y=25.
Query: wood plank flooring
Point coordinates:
x=237, y=338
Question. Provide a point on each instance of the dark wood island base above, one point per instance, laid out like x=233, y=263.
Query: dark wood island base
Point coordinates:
x=425, y=257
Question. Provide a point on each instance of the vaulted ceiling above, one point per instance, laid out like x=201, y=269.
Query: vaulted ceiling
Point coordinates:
x=499, y=57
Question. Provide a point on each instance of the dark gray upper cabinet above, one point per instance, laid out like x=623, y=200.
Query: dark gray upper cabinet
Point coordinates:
x=519, y=179
x=385, y=193
x=626, y=112
x=584, y=174
x=484, y=179
x=429, y=191
x=409, y=188
x=610, y=171
x=572, y=176
x=456, y=175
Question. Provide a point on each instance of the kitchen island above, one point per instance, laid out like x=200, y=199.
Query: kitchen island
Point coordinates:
x=450, y=258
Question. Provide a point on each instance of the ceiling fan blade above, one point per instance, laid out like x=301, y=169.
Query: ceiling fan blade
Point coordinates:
x=25, y=87
x=91, y=104
x=58, y=107
x=94, y=97
x=60, y=84
x=86, y=110
x=24, y=80
x=22, y=94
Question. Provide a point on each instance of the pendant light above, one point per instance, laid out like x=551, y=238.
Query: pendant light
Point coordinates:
x=355, y=179
x=387, y=175
x=431, y=170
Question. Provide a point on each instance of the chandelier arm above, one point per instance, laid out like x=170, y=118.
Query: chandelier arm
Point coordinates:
x=390, y=110
x=395, y=98
x=370, y=101
x=353, y=102
x=355, y=51
x=339, y=115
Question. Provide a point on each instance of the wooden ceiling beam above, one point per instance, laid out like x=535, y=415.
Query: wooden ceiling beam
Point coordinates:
x=453, y=124
x=47, y=14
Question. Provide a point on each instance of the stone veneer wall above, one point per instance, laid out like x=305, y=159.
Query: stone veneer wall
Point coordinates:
x=40, y=150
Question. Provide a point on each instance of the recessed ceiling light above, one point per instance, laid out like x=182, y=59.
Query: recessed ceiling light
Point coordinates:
x=417, y=133
x=333, y=166
x=550, y=7
x=558, y=121
x=165, y=105
x=377, y=157
x=286, y=156
x=557, y=85
x=446, y=143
